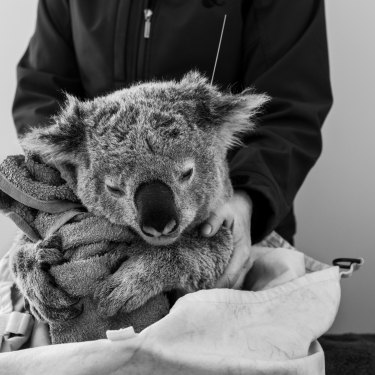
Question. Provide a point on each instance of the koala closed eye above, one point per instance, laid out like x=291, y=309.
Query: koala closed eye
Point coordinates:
x=115, y=191
x=186, y=176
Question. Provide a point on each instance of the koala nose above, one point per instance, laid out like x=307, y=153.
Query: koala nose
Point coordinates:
x=156, y=209
x=169, y=228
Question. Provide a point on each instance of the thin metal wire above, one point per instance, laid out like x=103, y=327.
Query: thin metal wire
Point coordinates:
x=218, y=48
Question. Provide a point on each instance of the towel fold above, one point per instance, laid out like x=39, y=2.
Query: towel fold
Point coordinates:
x=30, y=189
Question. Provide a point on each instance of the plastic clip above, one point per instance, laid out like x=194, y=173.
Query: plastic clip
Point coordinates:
x=349, y=264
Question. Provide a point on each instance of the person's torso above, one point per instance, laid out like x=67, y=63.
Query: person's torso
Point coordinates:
x=120, y=42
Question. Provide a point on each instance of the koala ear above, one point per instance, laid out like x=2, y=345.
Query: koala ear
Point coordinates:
x=230, y=115
x=194, y=79
x=62, y=144
x=234, y=115
x=195, y=86
x=63, y=140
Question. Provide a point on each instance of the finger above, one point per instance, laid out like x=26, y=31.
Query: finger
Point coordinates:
x=242, y=274
x=239, y=282
x=212, y=224
x=229, y=223
x=227, y=281
x=238, y=266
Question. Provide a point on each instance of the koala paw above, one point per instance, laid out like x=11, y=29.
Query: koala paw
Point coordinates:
x=49, y=253
x=126, y=290
x=30, y=265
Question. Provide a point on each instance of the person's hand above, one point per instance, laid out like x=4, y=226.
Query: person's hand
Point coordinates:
x=236, y=215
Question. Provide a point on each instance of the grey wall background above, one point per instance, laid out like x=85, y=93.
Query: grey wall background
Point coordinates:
x=336, y=206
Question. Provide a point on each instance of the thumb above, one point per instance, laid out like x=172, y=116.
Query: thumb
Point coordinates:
x=212, y=224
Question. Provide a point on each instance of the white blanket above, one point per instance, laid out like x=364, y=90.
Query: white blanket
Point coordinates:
x=272, y=329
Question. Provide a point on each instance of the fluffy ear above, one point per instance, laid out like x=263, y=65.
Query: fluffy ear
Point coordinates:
x=226, y=114
x=63, y=140
x=194, y=86
x=63, y=143
x=235, y=115
x=193, y=80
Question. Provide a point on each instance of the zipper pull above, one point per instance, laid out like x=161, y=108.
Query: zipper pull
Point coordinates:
x=148, y=15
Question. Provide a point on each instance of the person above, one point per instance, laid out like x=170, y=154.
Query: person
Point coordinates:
x=91, y=47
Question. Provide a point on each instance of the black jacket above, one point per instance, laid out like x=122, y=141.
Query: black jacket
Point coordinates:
x=91, y=47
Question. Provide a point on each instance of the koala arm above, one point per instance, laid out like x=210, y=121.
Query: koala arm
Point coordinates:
x=191, y=264
x=47, y=69
x=30, y=263
x=287, y=142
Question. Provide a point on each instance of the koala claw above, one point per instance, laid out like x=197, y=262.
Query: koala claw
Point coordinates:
x=113, y=304
x=30, y=265
x=50, y=304
x=108, y=303
x=134, y=302
x=49, y=252
x=125, y=297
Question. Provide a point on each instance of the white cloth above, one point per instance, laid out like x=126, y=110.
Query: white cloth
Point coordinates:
x=272, y=330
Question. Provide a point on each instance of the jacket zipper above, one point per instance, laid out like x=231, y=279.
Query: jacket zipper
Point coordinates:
x=144, y=41
x=147, y=29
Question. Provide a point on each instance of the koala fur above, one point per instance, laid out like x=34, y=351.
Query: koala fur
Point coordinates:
x=155, y=131
x=154, y=152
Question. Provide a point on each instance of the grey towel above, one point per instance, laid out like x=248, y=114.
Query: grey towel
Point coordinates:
x=66, y=253
x=29, y=189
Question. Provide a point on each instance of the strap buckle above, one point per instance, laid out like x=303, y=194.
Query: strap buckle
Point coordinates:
x=348, y=264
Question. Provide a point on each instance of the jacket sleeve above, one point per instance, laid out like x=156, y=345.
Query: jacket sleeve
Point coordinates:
x=47, y=69
x=285, y=55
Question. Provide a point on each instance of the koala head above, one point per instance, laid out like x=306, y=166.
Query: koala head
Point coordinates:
x=151, y=156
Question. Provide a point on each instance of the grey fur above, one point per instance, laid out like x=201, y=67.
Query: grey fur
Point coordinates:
x=152, y=131
x=148, y=132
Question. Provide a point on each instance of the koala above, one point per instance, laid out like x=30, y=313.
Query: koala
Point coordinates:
x=151, y=157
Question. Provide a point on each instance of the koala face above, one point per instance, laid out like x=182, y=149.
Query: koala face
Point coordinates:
x=152, y=156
